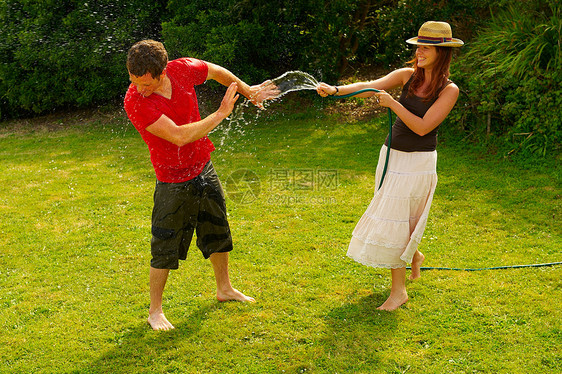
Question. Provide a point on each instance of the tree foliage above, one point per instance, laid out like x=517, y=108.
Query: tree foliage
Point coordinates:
x=57, y=54
x=67, y=53
x=511, y=79
x=258, y=39
x=70, y=53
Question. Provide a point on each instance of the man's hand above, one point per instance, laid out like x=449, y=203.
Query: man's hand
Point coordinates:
x=227, y=104
x=261, y=92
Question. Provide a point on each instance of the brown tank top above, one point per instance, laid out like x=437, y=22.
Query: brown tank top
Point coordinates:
x=404, y=139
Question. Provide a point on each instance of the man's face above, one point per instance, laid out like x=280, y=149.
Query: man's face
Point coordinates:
x=145, y=84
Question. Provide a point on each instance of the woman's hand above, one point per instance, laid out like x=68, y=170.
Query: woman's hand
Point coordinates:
x=384, y=99
x=324, y=89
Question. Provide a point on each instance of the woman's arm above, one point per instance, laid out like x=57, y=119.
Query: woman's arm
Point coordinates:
x=397, y=78
x=434, y=115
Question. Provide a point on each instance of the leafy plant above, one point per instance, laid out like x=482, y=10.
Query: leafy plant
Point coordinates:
x=511, y=80
x=56, y=54
x=260, y=39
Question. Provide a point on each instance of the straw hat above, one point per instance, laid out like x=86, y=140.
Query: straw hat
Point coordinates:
x=436, y=34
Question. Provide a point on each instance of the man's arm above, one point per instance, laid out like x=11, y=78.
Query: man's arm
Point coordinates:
x=225, y=77
x=257, y=94
x=166, y=129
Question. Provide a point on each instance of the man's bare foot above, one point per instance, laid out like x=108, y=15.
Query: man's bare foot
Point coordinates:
x=234, y=295
x=393, y=302
x=158, y=321
x=417, y=262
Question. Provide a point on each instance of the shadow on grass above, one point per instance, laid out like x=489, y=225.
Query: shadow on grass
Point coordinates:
x=138, y=348
x=352, y=330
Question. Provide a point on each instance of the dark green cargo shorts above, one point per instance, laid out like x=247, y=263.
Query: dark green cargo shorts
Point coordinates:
x=181, y=208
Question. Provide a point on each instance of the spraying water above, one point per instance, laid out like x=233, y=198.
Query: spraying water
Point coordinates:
x=236, y=122
x=288, y=82
x=294, y=81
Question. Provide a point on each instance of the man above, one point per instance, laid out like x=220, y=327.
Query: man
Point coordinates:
x=162, y=105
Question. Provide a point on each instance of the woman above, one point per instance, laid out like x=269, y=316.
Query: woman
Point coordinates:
x=389, y=232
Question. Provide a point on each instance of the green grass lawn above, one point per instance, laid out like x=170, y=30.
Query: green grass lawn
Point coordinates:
x=74, y=256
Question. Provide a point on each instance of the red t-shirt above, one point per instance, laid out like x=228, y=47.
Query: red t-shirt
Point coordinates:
x=172, y=164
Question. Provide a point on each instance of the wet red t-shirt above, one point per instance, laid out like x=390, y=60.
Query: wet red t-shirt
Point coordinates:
x=172, y=164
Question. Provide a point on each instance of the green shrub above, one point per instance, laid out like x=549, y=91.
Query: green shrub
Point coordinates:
x=511, y=80
x=401, y=20
x=261, y=39
x=64, y=53
x=58, y=54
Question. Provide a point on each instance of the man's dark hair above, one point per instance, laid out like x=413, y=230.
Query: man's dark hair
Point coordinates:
x=147, y=56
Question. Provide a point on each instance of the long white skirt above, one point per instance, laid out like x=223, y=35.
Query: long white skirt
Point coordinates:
x=390, y=230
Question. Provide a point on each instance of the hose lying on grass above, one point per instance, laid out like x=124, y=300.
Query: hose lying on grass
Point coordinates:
x=493, y=268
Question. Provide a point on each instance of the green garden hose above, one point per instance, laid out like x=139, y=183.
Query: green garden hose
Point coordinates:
x=492, y=268
x=389, y=126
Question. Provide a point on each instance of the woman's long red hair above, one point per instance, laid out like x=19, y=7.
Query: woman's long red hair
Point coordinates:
x=439, y=76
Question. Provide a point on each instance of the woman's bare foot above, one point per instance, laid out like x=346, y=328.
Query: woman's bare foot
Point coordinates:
x=158, y=321
x=393, y=302
x=234, y=295
x=417, y=262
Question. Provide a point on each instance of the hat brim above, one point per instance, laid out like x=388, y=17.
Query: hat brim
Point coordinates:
x=453, y=43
